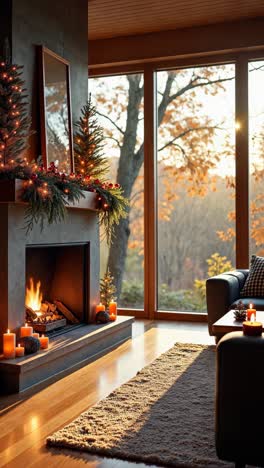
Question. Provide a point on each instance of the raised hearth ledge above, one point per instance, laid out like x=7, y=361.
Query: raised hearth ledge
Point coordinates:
x=67, y=352
x=10, y=192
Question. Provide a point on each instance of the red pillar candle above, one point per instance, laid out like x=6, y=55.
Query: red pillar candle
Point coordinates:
x=112, y=311
x=26, y=331
x=100, y=307
x=20, y=351
x=251, y=312
x=9, y=345
x=44, y=342
x=252, y=328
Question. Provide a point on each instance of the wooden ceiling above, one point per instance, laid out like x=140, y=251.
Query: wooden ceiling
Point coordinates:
x=113, y=18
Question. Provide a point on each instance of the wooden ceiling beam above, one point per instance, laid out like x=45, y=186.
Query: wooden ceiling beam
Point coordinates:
x=199, y=40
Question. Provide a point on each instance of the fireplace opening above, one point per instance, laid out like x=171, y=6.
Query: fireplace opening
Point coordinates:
x=57, y=286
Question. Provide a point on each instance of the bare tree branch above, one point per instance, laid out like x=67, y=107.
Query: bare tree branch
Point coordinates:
x=112, y=122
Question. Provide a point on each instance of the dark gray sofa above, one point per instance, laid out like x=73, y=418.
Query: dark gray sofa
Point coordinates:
x=223, y=292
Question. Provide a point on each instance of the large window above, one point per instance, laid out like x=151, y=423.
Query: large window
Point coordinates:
x=203, y=125
x=119, y=101
x=196, y=171
x=256, y=153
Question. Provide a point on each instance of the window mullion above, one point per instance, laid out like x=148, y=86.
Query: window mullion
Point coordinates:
x=242, y=164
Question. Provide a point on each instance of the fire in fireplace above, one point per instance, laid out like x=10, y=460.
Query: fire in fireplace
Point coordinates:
x=44, y=316
x=57, y=286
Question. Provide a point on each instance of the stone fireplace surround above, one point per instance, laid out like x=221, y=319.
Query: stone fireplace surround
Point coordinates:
x=70, y=350
x=80, y=227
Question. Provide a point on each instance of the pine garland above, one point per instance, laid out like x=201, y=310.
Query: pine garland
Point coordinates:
x=49, y=192
x=88, y=144
x=14, y=120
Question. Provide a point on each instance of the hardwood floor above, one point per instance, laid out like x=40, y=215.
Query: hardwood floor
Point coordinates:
x=27, y=420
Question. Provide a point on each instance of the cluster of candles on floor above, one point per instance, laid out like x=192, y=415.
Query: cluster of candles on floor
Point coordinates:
x=251, y=327
x=112, y=310
x=11, y=351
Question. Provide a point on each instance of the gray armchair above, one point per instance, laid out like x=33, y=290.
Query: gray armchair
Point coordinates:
x=222, y=293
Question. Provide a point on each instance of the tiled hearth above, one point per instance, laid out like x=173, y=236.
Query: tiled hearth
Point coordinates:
x=67, y=352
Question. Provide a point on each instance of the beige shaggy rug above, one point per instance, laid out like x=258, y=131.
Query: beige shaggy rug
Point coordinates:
x=163, y=416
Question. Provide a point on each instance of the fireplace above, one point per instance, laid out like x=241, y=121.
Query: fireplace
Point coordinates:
x=62, y=263
x=57, y=285
x=64, y=257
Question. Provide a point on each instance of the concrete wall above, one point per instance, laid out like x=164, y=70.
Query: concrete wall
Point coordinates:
x=62, y=26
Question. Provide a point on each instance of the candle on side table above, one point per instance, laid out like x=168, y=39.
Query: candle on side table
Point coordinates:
x=35, y=335
x=26, y=331
x=44, y=342
x=20, y=351
x=251, y=312
x=252, y=328
x=9, y=345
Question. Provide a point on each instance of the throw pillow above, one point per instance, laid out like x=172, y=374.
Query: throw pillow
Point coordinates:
x=254, y=285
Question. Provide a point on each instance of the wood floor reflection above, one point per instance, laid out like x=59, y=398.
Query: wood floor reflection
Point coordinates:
x=27, y=420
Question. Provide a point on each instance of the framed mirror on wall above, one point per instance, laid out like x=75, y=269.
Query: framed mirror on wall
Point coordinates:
x=55, y=106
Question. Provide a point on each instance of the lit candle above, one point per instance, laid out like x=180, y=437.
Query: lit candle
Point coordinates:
x=44, y=342
x=251, y=312
x=20, y=351
x=100, y=307
x=252, y=328
x=112, y=311
x=26, y=331
x=9, y=342
x=35, y=335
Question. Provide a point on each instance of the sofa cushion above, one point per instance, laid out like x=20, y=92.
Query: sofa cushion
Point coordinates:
x=254, y=285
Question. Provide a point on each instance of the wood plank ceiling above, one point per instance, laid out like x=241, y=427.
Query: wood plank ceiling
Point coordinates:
x=113, y=18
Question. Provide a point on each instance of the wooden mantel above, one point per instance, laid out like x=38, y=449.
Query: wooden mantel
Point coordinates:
x=10, y=192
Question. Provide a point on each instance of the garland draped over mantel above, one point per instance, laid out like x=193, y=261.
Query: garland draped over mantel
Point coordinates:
x=48, y=192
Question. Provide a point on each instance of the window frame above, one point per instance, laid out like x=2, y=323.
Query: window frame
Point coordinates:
x=240, y=59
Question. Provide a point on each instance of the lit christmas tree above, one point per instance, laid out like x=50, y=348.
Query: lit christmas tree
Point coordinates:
x=107, y=289
x=14, y=119
x=88, y=144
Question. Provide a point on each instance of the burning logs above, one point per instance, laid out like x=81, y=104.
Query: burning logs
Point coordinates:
x=50, y=316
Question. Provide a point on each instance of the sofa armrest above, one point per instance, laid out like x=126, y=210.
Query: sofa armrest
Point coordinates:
x=221, y=291
x=239, y=399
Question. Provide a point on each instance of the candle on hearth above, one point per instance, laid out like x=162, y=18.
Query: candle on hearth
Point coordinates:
x=44, y=342
x=251, y=312
x=35, y=335
x=100, y=307
x=112, y=311
x=9, y=345
x=252, y=328
x=20, y=351
x=26, y=331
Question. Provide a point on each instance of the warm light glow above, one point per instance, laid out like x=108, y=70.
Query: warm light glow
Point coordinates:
x=238, y=125
x=251, y=306
x=33, y=295
x=8, y=331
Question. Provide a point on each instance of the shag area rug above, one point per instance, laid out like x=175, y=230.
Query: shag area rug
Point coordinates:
x=163, y=416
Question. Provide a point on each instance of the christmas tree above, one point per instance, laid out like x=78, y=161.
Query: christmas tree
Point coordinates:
x=88, y=144
x=107, y=289
x=14, y=119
